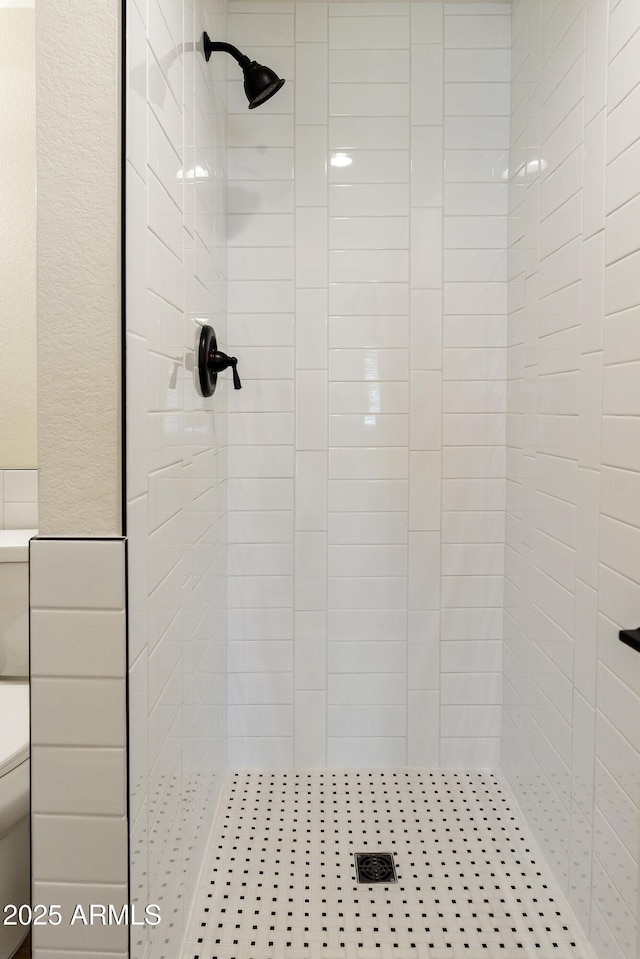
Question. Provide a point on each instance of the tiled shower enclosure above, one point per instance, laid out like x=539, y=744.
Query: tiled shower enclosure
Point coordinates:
x=411, y=538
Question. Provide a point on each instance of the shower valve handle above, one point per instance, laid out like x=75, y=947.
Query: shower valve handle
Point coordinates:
x=212, y=361
x=220, y=361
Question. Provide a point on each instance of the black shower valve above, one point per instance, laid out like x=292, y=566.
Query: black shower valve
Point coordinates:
x=212, y=361
x=219, y=361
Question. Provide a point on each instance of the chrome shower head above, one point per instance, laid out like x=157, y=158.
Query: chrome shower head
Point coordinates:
x=260, y=82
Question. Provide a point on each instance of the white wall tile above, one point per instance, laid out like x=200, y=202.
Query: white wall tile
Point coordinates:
x=78, y=574
x=98, y=777
x=258, y=752
x=426, y=23
x=78, y=643
x=311, y=164
x=93, y=940
x=57, y=704
x=426, y=395
x=311, y=247
x=311, y=329
x=366, y=133
x=262, y=494
x=427, y=74
x=310, y=650
x=424, y=650
x=369, y=33
x=248, y=656
x=268, y=720
x=368, y=690
x=368, y=527
x=468, y=721
x=311, y=571
x=368, y=266
x=378, y=334
x=482, y=64
x=355, y=66
x=469, y=687
x=264, y=29
x=367, y=592
x=478, y=31
x=461, y=753
x=311, y=410
x=464, y=133
x=20, y=515
x=346, y=560
x=311, y=729
x=369, y=232
x=379, y=358
x=366, y=721
x=426, y=247
x=311, y=75
x=256, y=689
x=64, y=848
x=311, y=21
x=370, y=166
x=426, y=168
x=371, y=429
x=424, y=490
x=311, y=490
x=369, y=751
x=369, y=657
x=367, y=495
x=369, y=99
x=424, y=571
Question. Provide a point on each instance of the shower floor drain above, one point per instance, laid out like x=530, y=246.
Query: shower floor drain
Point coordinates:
x=375, y=867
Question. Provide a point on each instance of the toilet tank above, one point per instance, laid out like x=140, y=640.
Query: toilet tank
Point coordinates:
x=14, y=601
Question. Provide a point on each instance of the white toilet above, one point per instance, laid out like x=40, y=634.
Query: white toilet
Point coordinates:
x=14, y=732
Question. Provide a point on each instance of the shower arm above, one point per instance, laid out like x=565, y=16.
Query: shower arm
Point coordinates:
x=212, y=46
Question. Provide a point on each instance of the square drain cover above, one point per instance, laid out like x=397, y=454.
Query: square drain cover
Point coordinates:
x=375, y=867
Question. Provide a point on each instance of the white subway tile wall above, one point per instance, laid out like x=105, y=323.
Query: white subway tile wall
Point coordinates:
x=369, y=200
x=18, y=499
x=176, y=456
x=78, y=739
x=571, y=748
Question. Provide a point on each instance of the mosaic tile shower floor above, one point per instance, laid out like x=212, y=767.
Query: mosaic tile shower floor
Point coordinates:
x=280, y=882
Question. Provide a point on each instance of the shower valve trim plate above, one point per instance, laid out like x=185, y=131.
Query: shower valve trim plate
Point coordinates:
x=212, y=361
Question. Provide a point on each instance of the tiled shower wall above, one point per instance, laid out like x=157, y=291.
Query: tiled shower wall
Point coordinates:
x=176, y=513
x=572, y=690
x=368, y=200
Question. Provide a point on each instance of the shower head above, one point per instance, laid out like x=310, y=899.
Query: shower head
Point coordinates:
x=260, y=82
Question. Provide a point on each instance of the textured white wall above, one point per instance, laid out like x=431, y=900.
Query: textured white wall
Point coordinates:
x=176, y=455
x=572, y=690
x=366, y=305
x=18, y=239
x=78, y=264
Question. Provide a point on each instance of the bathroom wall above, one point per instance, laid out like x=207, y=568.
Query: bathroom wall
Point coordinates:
x=572, y=690
x=367, y=307
x=176, y=453
x=18, y=499
x=79, y=349
x=18, y=235
x=78, y=693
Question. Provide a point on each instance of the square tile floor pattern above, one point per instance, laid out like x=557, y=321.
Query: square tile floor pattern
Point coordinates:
x=279, y=881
